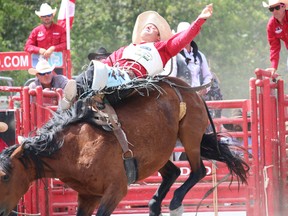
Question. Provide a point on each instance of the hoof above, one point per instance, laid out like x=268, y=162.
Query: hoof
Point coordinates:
x=177, y=212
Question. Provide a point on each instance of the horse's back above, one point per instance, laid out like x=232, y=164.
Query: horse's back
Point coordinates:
x=152, y=122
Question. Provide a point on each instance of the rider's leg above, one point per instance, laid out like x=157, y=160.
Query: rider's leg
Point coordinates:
x=97, y=77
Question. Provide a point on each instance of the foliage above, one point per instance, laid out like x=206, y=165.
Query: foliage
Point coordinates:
x=233, y=40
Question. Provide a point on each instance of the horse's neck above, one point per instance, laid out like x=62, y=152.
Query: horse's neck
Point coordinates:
x=52, y=168
x=49, y=169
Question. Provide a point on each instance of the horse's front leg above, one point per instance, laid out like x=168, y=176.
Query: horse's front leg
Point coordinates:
x=87, y=204
x=107, y=203
x=112, y=197
x=169, y=173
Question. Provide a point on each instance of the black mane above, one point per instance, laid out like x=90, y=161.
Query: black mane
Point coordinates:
x=5, y=158
x=47, y=141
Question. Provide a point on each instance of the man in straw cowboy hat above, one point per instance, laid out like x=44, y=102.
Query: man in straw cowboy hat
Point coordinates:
x=3, y=128
x=277, y=30
x=47, y=37
x=45, y=76
x=152, y=46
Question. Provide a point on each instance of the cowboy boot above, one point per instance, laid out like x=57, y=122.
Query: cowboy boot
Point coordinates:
x=100, y=75
x=70, y=93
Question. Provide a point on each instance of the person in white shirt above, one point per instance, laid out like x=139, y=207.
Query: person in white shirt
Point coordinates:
x=192, y=65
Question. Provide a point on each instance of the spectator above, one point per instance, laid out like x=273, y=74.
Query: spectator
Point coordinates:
x=193, y=68
x=152, y=46
x=214, y=94
x=276, y=28
x=47, y=37
x=238, y=127
x=99, y=54
x=3, y=128
x=192, y=65
x=45, y=76
x=237, y=113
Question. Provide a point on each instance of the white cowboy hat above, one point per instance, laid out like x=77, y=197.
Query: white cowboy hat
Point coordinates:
x=45, y=10
x=274, y=2
x=182, y=26
x=42, y=66
x=154, y=18
x=3, y=127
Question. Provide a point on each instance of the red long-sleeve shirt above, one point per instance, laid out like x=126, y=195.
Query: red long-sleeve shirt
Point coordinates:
x=166, y=49
x=275, y=33
x=42, y=37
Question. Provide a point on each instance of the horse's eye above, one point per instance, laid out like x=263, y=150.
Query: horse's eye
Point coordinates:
x=5, y=178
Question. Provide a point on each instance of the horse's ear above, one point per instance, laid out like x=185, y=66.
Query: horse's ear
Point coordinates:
x=18, y=151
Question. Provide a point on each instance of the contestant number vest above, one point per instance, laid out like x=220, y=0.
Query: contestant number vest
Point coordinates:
x=146, y=55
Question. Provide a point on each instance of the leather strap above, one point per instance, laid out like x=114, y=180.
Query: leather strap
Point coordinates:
x=118, y=132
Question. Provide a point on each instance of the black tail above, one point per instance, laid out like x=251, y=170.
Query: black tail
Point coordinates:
x=213, y=149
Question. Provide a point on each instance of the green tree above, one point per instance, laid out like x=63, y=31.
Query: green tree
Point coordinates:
x=233, y=40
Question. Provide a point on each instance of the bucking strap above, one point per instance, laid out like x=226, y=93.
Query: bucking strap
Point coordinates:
x=182, y=109
x=108, y=116
x=116, y=127
x=105, y=115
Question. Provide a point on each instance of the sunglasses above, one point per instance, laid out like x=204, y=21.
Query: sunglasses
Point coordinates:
x=271, y=9
x=43, y=74
x=47, y=16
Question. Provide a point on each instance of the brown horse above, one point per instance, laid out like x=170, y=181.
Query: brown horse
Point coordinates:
x=89, y=159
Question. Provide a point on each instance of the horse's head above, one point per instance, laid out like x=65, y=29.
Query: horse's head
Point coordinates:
x=22, y=164
x=13, y=177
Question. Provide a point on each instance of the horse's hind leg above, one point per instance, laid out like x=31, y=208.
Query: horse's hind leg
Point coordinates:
x=169, y=173
x=191, y=130
x=179, y=194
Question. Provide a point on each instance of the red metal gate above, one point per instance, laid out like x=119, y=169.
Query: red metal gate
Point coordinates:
x=52, y=197
x=266, y=193
x=269, y=116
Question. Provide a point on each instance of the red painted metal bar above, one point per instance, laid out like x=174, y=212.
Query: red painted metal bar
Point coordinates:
x=274, y=144
x=39, y=107
x=261, y=148
x=255, y=148
x=268, y=163
x=262, y=139
x=282, y=105
x=26, y=111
